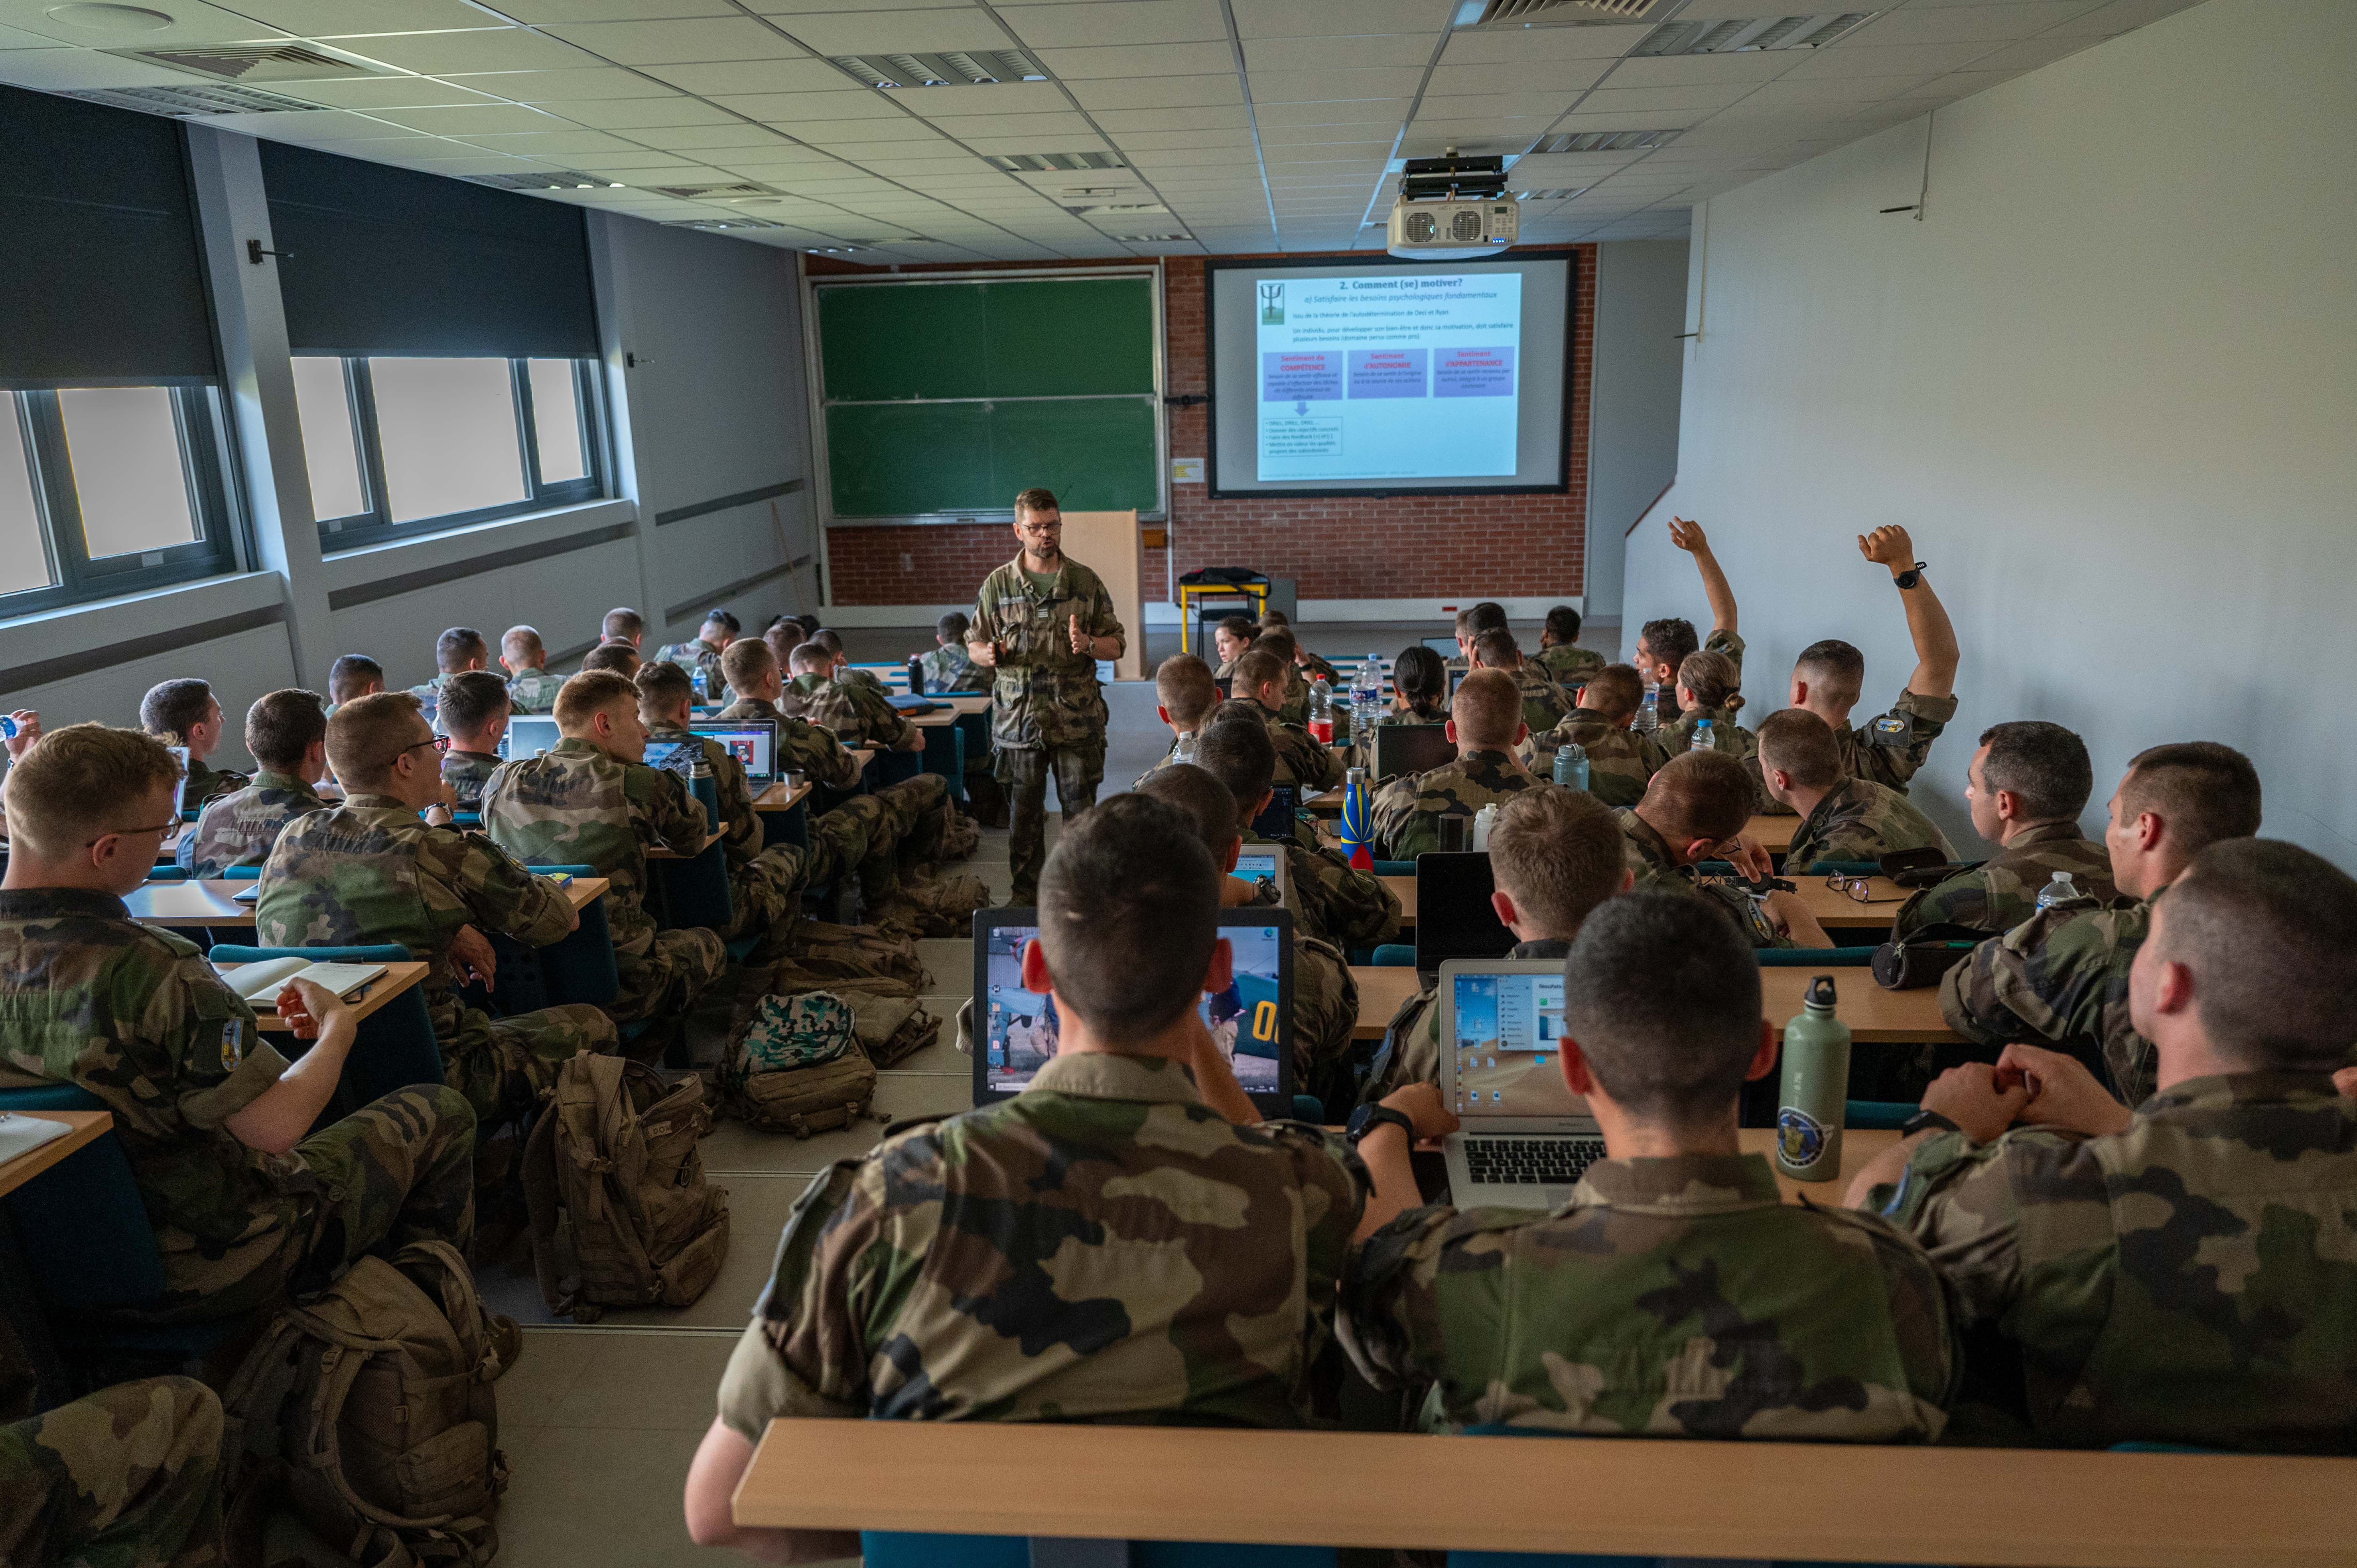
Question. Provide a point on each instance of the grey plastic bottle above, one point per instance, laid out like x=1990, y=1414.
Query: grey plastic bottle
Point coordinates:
x=1571, y=765
x=1814, y=1088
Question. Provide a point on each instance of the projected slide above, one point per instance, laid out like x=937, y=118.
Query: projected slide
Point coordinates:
x=1389, y=378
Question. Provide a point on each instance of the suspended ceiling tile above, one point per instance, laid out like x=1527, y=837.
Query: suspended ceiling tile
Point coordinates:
x=966, y=127
x=624, y=165
x=1160, y=158
x=474, y=119
x=735, y=137
x=542, y=11
x=63, y=69
x=1116, y=120
x=1159, y=92
x=1318, y=18
x=1309, y=86
x=852, y=32
x=1469, y=105
x=1515, y=45
x=1555, y=79
x=1971, y=24
x=383, y=92
x=1139, y=59
x=488, y=49
x=2120, y=17
x=313, y=129
x=1372, y=137
x=340, y=18
x=817, y=111
x=1345, y=52
x=1692, y=70
x=1956, y=84
x=680, y=41
x=993, y=98
x=755, y=76
x=900, y=128
x=587, y=85
x=1125, y=22
x=1333, y=112
x=192, y=23
x=2035, y=52
x=1864, y=59
x=1833, y=90
x=545, y=142
x=635, y=114
x=1678, y=102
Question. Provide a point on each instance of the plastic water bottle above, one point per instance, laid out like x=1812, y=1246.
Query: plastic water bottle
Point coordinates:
x=1815, y=1084
x=1571, y=765
x=2060, y=890
x=1183, y=749
x=1484, y=819
x=1367, y=697
x=1703, y=738
x=1321, y=711
x=697, y=679
x=1649, y=716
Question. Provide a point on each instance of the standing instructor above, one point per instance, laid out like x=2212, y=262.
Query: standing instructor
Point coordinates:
x=1042, y=622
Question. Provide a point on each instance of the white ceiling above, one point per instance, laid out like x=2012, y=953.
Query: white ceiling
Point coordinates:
x=1246, y=125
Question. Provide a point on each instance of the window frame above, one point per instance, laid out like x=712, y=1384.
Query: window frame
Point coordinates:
x=374, y=525
x=205, y=469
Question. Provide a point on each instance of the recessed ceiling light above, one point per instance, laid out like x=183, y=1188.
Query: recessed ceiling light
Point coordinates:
x=111, y=18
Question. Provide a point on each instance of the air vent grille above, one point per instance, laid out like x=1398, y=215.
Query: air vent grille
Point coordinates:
x=714, y=192
x=182, y=102
x=553, y=179
x=717, y=224
x=253, y=63
x=1562, y=194
x=1152, y=238
x=1042, y=163
x=1516, y=10
x=1742, y=35
x=1604, y=141
x=955, y=67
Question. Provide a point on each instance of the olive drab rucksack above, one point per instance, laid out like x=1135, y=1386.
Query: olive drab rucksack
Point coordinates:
x=621, y=1213
x=795, y=1065
x=371, y=1412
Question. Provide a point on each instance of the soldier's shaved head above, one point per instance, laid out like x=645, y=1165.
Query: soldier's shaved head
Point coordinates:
x=2203, y=790
x=783, y=635
x=1487, y=710
x=352, y=675
x=622, y=625
x=173, y=708
x=1798, y=744
x=1497, y=649
x=1129, y=904
x=1184, y=686
x=1235, y=748
x=470, y=701
x=1614, y=691
x=1667, y=641
x=83, y=781
x=457, y=648
x=663, y=685
x=1259, y=667
x=613, y=658
x=1279, y=642
x=282, y=725
x=1698, y=795
x=521, y=645
x=810, y=658
x=2043, y=766
x=1834, y=669
x=1475, y=619
x=590, y=693
x=747, y=663
x=1558, y=854
x=1206, y=801
x=1661, y=996
x=2268, y=931
x=366, y=733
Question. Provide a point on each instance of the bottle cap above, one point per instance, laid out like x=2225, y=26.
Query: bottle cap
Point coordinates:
x=1820, y=991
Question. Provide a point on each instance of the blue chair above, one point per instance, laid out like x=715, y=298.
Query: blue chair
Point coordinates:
x=168, y=874
x=693, y=891
x=1821, y=957
x=901, y=1549
x=395, y=1046
x=1395, y=955
x=1394, y=868
x=1878, y=1115
x=892, y=767
x=945, y=755
x=580, y=967
x=1828, y=868
x=242, y=874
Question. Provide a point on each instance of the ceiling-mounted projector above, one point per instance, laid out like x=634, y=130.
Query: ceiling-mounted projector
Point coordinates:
x=1452, y=207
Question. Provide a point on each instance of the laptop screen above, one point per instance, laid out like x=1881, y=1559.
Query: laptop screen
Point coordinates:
x=753, y=745
x=675, y=754
x=529, y=736
x=1276, y=819
x=1251, y=1020
x=1453, y=914
x=1257, y=863
x=1509, y=1046
x=1412, y=748
x=1444, y=646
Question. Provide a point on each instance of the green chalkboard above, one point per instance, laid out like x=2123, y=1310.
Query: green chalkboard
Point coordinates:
x=943, y=398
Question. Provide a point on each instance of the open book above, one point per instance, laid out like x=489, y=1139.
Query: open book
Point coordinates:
x=261, y=982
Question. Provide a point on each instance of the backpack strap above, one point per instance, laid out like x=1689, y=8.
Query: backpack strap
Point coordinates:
x=543, y=1199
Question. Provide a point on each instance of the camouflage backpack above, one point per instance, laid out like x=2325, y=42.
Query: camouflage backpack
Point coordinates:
x=621, y=1213
x=794, y=1064
x=370, y=1412
x=936, y=906
x=823, y=954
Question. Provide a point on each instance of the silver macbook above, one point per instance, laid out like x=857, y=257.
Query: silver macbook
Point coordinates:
x=1525, y=1136
x=1265, y=865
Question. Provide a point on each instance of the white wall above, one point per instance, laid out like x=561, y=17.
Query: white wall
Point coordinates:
x=1633, y=418
x=2110, y=383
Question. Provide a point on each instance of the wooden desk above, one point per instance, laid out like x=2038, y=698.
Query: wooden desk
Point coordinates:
x=1839, y=912
x=1773, y=834
x=1403, y=888
x=657, y=852
x=861, y=755
x=777, y=798
x=86, y=1127
x=1874, y=1016
x=1659, y=1496
x=583, y=891
x=1328, y=803
x=190, y=904
x=398, y=978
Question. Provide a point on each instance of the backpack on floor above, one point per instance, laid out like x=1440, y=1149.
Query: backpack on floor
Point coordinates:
x=890, y=1023
x=370, y=1412
x=822, y=954
x=621, y=1213
x=936, y=906
x=794, y=1064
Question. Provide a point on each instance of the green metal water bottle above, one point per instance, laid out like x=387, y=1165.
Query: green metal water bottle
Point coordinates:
x=1814, y=1089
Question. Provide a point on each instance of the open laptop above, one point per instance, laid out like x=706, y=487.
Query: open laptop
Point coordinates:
x=1014, y=1029
x=1453, y=917
x=1267, y=863
x=1445, y=646
x=754, y=744
x=1412, y=748
x=1524, y=1137
x=1276, y=819
x=179, y=785
x=529, y=735
x=678, y=756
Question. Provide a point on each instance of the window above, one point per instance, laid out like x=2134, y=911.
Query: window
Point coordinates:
x=400, y=445
x=108, y=490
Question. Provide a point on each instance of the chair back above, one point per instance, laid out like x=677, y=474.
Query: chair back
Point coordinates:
x=1821, y=957
x=693, y=891
x=82, y=1226
x=580, y=966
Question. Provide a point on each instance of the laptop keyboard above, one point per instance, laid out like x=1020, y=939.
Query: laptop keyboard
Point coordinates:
x=1531, y=1161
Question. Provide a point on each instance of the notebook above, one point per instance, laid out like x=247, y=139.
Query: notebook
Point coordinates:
x=260, y=982
x=1524, y=1137
x=22, y=1135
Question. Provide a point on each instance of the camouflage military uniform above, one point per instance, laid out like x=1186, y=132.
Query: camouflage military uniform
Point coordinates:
x=127, y=1478
x=1300, y=760
x=1325, y=1004
x=209, y=784
x=467, y=772
x=1652, y=862
x=1145, y=1260
x=1544, y=703
x=951, y=668
x=1312, y=668
x=136, y=1016
x=2060, y=979
x=695, y=656
x=857, y=713
x=1568, y=665
x=1294, y=709
x=1676, y=738
x=1416, y=713
x=867, y=678
x=371, y=871
x=579, y=806
x=802, y=746
x=1347, y=908
x=1670, y=1297
x=1411, y=1052
x=1861, y=820
x=2192, y=1279
x=429, y=695
x=1047, y=713
x=1999, y=894
x=1406, y=812
x=910, y=819
x=533, y=691
x=1619, y=762
x=237, y=829
x=1889, y=748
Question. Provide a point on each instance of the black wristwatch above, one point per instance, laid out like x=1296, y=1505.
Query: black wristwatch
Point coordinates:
x=1907, y=579
x=1367, y=1118
x=1925, y=1122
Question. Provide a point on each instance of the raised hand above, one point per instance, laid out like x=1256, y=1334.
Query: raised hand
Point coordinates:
x=1888, y=546
x=1687, y=535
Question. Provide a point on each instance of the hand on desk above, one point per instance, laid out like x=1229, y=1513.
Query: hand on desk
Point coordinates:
x=308, y=1009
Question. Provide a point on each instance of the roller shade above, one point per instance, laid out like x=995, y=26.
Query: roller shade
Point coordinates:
x=390, y=261
x=98, y=245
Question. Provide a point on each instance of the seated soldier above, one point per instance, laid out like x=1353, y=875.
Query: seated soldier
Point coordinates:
x=1663, y=645
x=475, y=710
x=1545, y=704
x=1325, y=997
x=1229, y=640
x=531, y=688
x=1621, y=762
x=844, y=670
x=287, y=734
x=593, y=802
x=613, y=658
x=456, y=652
x=371, y=871
x=949, y=668
x=1694, y=810
x=858, y=714
x=1198, y=1246
x=1554, y=854
x=781, y=637
x=1841, y=818
x=1471, y=622
x=1313, y=668
x=1705, y=687
x=810, y=625
x=1486, y=725
x=352, y=675
x=752, y=672
x=1569, y=664
x=2026, y=786
x=185, y=713
x=1334, y=903
x=2061, y=977
x=2181, y=1273
x=1260, y=678
x=1293, y=699
x=128, y=1474
x=701, y=657
x=1676, y=1294
x=1185, y=694
x=247, y=1202
x=622, y=624
x=1419, y=688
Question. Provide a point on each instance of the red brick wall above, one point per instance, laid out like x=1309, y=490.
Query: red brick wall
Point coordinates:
x=1422, y=547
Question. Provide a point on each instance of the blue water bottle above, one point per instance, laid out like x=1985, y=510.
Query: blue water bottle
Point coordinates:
x=701, y=785
x=1357, y=834
x=1571, y=765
